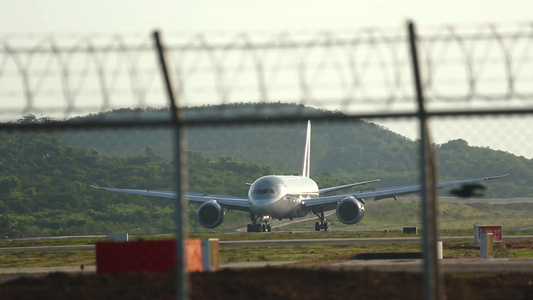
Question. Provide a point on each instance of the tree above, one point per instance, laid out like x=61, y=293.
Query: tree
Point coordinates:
x=9, y=184
x=8, y=227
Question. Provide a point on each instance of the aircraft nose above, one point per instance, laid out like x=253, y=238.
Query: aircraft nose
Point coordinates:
x=265, y=190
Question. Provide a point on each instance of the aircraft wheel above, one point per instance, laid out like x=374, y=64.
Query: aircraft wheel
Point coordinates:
x=257, y=228
x=317, y=226
x=249, y=228
x=269, y=228
x=326, y=226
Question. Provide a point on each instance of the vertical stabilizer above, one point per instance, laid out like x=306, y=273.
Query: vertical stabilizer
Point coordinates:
x=307, y=154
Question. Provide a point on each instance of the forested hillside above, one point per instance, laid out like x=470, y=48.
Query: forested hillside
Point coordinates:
x=45, y=178
x=346, y=146
x=45, y=187
x=356, y=149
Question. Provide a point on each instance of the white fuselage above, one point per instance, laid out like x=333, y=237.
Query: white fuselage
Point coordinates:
x=281, y=196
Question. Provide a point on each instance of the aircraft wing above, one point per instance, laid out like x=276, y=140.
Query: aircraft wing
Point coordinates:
x=385, y=193
x=393, y=192
x=331, y=189
x=229, y=202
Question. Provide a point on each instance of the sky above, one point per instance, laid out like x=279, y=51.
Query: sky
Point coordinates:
x=125, y=16
x=52, y=16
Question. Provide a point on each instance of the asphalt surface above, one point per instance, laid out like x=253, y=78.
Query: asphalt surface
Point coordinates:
x=409, y=265
x=389, y=265
x=404, y=265
x=292, y=242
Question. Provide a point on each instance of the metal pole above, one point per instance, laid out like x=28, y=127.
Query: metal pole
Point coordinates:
x=180, y=155
x=433, y=283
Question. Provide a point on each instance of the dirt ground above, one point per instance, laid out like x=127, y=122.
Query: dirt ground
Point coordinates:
x=272, y=283
x=267, y=283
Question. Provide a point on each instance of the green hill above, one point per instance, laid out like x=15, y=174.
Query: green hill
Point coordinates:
x=45, y=177
x=355, y=150
x=336, y=146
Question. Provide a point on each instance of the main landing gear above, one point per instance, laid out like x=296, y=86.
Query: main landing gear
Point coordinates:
x=263, y=226
x=323, y=224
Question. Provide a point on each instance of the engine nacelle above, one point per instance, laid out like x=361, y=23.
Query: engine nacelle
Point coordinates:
x=350, y=210
x=210, y=214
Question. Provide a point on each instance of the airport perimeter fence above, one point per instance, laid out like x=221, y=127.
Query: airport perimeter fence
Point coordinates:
x=474, y=82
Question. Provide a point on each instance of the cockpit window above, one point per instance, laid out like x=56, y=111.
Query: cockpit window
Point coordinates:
x=270, y=191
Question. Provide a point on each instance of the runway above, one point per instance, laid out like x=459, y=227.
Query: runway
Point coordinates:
x=385, y=265
x=347, y=241
x=279, y=242
x=447, y=265
x=403, y=265
x=389, y=265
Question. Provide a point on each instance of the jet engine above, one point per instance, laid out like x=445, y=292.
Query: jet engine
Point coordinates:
x=210, y=214
x=350, y=210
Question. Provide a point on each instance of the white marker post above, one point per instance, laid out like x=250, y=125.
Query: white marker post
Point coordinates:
x=439, y=250
x=486, y=245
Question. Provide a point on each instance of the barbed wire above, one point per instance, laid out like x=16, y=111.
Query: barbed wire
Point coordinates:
x=367, y=70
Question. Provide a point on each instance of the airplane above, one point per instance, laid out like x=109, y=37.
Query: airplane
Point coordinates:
x=289, y=196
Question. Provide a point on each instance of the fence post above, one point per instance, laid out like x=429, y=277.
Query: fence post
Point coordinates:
x=183, y=283
x=433, y=283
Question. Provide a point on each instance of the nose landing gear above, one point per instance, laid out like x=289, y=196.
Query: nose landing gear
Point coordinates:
x=262, y=226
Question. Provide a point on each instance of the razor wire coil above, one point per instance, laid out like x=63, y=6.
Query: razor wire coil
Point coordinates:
x=462, y=67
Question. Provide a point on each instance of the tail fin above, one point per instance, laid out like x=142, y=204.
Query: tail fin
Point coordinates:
x=307, y=154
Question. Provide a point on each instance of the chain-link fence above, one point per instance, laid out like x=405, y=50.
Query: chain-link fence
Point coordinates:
x=476, y=81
